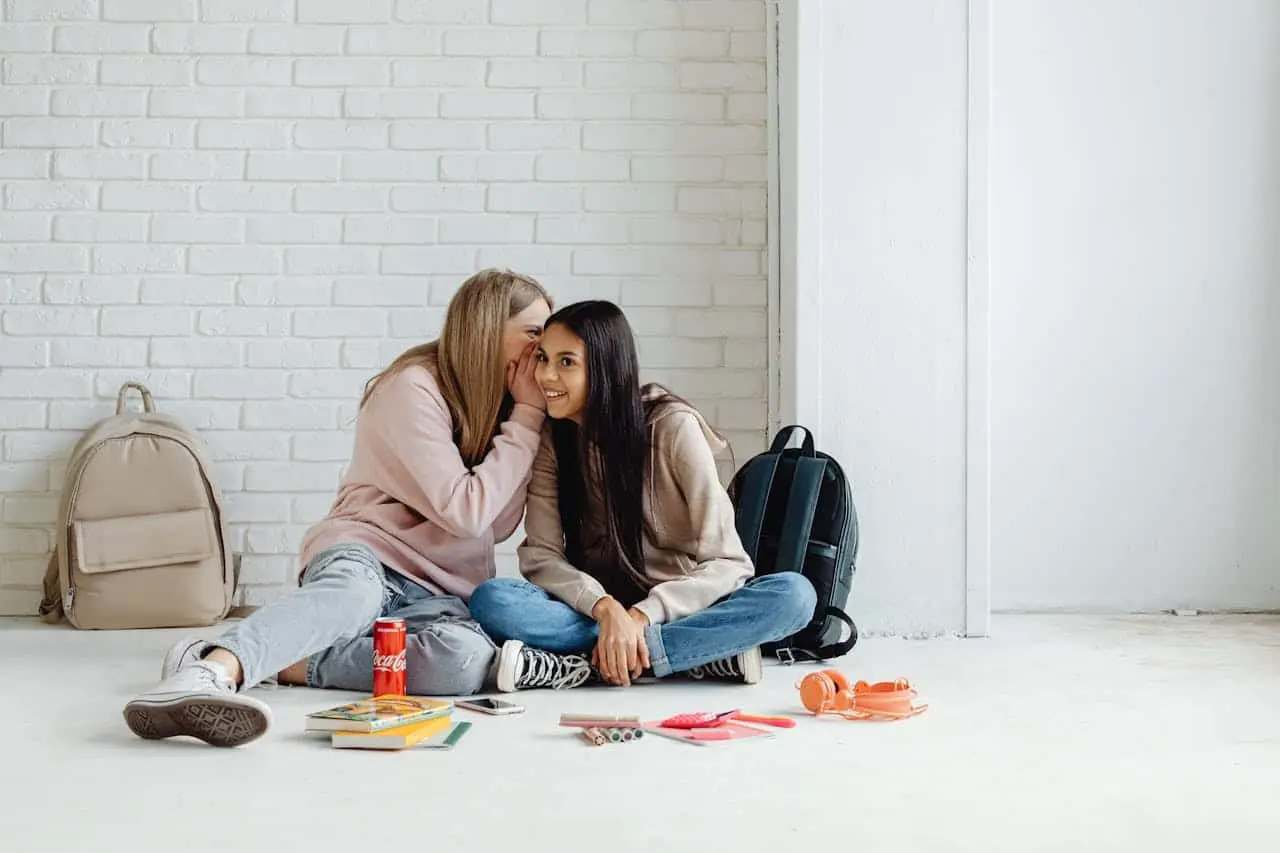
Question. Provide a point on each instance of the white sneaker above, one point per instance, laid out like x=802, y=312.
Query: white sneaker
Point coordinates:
x=198, y=700
x=183, y=653
x=521, y=667
x=747, y=668
x=187, y=651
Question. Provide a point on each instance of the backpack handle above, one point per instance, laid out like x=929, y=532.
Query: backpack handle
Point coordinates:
x=148, y=405
x=783, y=438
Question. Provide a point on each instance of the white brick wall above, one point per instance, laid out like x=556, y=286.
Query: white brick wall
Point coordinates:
x=251, y=205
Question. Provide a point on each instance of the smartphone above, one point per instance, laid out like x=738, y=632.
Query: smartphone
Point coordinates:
x=487, y=705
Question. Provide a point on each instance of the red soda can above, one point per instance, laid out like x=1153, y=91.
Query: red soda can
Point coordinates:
x=389, y=659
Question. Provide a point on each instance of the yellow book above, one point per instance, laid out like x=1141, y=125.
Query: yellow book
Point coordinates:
x=397, y=737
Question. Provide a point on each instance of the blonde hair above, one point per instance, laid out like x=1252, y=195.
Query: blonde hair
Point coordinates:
x=467, y=356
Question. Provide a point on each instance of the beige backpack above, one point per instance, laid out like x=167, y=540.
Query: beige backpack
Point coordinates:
x=140, y=541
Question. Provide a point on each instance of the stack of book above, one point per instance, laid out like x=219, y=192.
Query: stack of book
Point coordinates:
x=389, y=722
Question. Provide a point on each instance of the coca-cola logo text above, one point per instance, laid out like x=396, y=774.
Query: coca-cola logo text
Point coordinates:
x=389, y=663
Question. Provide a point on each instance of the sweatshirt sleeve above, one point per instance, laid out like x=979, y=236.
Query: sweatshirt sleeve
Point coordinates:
x=542, y=557
x=721, y=564
x=412, y=437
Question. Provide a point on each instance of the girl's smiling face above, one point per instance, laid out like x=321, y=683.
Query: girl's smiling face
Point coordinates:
x=562, y=373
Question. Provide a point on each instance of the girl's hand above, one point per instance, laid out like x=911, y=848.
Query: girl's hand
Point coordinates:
x=642, y=649
x=520, y=381
x=620, y=653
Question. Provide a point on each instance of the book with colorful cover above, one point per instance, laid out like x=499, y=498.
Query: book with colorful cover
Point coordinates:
x=396, y=737
x=377, y=713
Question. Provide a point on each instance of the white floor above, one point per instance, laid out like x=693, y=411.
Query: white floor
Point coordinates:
x=1059, y=734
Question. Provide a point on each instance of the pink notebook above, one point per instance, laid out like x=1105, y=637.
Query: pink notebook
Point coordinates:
x=727, y=732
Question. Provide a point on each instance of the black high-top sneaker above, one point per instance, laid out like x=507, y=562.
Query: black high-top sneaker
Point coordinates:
x=521, y=668
x=747, y=668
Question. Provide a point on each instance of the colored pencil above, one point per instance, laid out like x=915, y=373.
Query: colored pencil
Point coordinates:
x=598, y=718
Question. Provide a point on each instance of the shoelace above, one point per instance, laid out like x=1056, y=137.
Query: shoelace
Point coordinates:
x=544, y=669
x=725, y=668
x=207, y=676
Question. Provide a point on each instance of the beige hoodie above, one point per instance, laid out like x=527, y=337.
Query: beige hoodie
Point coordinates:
x=693, y=556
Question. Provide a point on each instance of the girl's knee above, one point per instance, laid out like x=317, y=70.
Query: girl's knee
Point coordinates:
x=494, y=598
x=498, y=591
x=358, y=575
x=367, y=590
x=797, y=598
x=449, y=659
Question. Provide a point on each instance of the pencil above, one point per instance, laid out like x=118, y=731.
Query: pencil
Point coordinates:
x=598, y=718
x=592, y=736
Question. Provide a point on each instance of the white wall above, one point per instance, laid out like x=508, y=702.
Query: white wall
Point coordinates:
x=1135, y=210
x=875, y=356
x=253, y=204
x=1114, y=166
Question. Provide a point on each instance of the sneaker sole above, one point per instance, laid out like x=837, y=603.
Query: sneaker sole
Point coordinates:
x=507, y=662
x=752, y=667
x=216, y=721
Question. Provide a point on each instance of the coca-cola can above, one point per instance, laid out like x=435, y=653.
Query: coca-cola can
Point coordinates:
x=389, y=659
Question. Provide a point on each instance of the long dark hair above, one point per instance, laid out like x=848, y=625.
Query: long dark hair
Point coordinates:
x=612, y=439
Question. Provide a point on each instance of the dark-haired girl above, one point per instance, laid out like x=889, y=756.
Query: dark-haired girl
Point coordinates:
x=632, y=563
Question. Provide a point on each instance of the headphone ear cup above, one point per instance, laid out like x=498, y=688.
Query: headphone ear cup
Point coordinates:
x=818, y=692
x=837, y=677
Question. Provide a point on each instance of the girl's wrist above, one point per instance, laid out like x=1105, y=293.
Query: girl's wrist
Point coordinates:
x=527, y=416
x=603, y=606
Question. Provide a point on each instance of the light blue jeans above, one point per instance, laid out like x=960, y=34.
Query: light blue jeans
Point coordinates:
x=767, y=608
x=328, y=621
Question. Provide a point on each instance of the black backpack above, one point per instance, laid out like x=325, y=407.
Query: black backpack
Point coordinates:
x=794, y=513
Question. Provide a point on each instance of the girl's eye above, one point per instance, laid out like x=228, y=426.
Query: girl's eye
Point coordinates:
x=566, y=362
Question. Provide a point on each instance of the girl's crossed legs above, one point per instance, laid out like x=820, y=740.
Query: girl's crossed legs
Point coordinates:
x=722, y=640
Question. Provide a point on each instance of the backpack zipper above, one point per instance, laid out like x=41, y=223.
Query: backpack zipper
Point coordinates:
x=69, y=599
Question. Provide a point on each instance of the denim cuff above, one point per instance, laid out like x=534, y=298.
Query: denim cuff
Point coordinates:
x=657, y=651
x=310, y=677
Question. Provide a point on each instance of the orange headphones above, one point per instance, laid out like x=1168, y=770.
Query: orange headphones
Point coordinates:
x=828, y=692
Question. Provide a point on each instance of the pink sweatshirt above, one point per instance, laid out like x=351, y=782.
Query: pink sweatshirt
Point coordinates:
x=409, y=497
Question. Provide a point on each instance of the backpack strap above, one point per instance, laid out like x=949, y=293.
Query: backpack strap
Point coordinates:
x=756, y=482
x=789, y=653
x=843, y=647
x=239, y=611
x=148, y=404
x=783, y=438
x=50, y=609
x=801, y=505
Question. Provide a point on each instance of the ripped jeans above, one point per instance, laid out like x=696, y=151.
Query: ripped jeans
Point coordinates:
x=328, y=621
